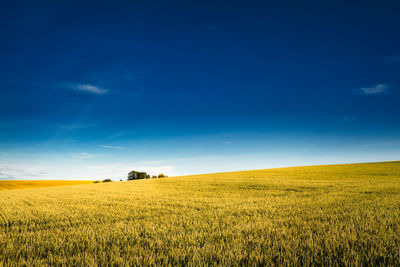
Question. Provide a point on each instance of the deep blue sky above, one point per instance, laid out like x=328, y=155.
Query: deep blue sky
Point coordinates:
x=95, y=89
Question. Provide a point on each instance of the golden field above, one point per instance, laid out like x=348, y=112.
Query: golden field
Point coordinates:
x=18, y=184
x=317, y=215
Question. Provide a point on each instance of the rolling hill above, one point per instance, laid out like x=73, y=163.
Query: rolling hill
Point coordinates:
x=320, y=215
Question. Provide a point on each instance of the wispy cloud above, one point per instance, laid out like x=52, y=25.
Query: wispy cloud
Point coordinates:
x=78, y=171
x=348, y=119
x=378, y=89
x=111, y=147
x=12, y=171
x=383, y=143
x=81, y=155
x=395, y=58
x=79, y=125
x=88, y=88
x=119, y=134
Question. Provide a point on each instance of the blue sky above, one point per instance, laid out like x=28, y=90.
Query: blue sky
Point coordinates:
x=95, y=89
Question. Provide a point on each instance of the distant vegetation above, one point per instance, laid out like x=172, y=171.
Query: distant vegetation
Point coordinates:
x=338, y=215
x=135, y=175
x=107, y=180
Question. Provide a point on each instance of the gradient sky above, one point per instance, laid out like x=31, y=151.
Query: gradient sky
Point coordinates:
x=92, y=90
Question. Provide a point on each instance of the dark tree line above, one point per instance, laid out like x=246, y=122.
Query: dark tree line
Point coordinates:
x=135, y=175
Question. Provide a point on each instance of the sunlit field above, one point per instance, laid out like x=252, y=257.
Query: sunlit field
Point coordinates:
x=321, y=215
x=16, y=184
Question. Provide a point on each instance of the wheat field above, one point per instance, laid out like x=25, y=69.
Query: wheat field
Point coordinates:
x=316, y=215
x=22, y=184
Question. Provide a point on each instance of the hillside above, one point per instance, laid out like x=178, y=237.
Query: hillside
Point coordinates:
x=324, y=215
x=21, y=184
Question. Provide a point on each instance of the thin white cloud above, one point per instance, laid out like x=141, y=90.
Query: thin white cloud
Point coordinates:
x=88, y=88
x=395, y=58
x=348, y=119
x=78, y=171
x=378, y=89
x=82, y=155
x=76, y=126
x=383, y=143
x=119, y=134
x=13, y=171
x=111, y=147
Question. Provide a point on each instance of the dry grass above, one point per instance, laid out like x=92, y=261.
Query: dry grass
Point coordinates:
x=19, y=184
x=321, y=215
